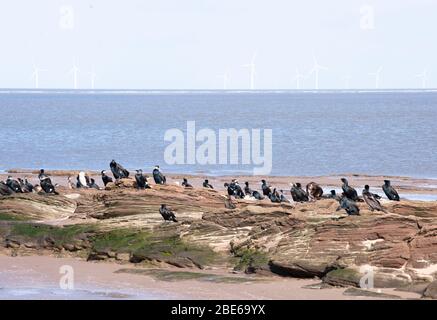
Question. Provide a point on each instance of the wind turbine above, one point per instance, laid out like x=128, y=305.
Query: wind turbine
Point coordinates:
x=251, y=66
x=93, y=78
x=424, y=77
x=74, y=70
x=35, y=75
x=346, y=80
x=316, y=68
x=377, y=76
x=225, y=78
x=298, y=79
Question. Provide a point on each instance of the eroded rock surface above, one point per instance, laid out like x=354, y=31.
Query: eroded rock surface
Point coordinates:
x=299, y=240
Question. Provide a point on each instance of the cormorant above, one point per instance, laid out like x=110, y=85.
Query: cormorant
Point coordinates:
x=118, y=171
x=167, y=214
x=348, y=191
x=389, y=191
x=372, y=199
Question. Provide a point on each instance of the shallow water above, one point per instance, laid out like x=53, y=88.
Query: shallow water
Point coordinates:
x=43, y=293
x=392, y=133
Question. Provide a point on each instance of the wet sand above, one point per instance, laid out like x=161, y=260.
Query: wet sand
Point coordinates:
x=38, y=277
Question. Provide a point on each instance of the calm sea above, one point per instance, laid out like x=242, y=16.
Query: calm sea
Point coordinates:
x=393, y=133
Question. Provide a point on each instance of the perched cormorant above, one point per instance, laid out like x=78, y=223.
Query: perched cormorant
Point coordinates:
x=70, y=183
x=81, y=180
x=348, y=205
x=5, y=190
x=141, y=180
x=118, y=171
x=46, y=183
x=253, y=193
x=348, y=191
x=106, y=179
x=372, y=199
x=265, y=188
x=238, y=192
x=297, y=193
x=228, y=189
x=185, y=183
x=167, y=214
x=389, y=191
x=25, y=185
x=14, y=185
x=283, y=197
x=158, y=176
x=314, y=191
x=92, y=184
x=42, y=175
x=275, y=197
x=206, y=184
x=332, y=195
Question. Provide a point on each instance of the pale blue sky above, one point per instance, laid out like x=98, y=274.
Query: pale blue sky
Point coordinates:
x=186, y=44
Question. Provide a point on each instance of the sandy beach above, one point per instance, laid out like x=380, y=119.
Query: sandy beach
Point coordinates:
x=37, y=277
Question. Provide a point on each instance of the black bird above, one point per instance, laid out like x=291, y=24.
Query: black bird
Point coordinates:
x=25, y=185
x=253, y=193
x=106, y=179
x=206, y=184
x=141, y=180
x=372, y=199
x=46, y=183
x=282, y=196
x=332, y=195
x=14, y=185
x=185, y=183
x=42, y=175
x=348, y=191
x=265, y=188
x=348, y=205
x=238, y=192
x=298, y=194
x=118, y=171
x=167, y=214
x=92, y=184
x=275, y=197
x=389, y=191
x=28, y=185
x=5, y=190
x=229, y=189
x=158, y=176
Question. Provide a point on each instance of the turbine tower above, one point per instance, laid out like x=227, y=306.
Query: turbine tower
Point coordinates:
x=74, y=71
x=424, y=77
x=377, y=76
x=346, y=80
x=92, y=77
x=298, y=79
x=316, y=69
x=225, y=78
x=251, y=66
x=35, y=75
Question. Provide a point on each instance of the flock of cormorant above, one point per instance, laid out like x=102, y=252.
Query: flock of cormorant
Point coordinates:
x=347, y=200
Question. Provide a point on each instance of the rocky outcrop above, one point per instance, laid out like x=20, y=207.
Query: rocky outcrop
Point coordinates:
x=431, y=291
x=302, y=240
